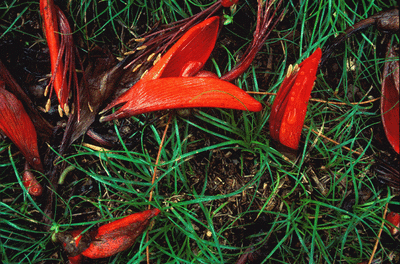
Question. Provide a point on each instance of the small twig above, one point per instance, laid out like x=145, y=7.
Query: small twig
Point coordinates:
x=323, y=101
x=265, y=93
x=154, y=179
x=95, y=148
x=341, y=103
x=158, y=158
x=379, y=235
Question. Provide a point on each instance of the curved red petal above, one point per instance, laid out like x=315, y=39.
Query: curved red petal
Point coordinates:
x=290, y=106
x=118, y=235
x=390, y=101
x=195, y=45
x=179, y=92
x=279, y=105
x=49, y=15
x=16, y=124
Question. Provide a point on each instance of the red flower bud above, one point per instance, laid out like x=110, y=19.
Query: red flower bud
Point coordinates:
x=30, y=182
x=16, y=124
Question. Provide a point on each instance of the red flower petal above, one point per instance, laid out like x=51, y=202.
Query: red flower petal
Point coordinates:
x=166, y=85
x=179, y=92
x=290, y=106
x=49, y=14
x=17, y=126
x=194, y=46
x=228, y=3
x=119, y=235
x=394, y=218
x=390, y=100
x=75, y=259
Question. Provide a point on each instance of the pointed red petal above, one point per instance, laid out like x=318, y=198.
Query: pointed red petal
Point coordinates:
x=280, y=104
x=118, y=235
x=49, y=15
x=390, y=101
x=195, y=45
x=179, y=92
x=290, y=106
x=17, y=126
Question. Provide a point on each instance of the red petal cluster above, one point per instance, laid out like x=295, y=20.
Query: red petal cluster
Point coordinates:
x=62, y=53
x=167, y=85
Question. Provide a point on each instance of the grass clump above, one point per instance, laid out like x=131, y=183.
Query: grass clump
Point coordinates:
x=224, y=188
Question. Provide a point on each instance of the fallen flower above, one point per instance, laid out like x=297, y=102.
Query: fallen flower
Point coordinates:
x=119, y=235
x=390, y=99
x=394, y=219
x=175, y=80
x=102, y=77
x=16, y=124
x=108, y=239
x=290, y=105
x=62, y=53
